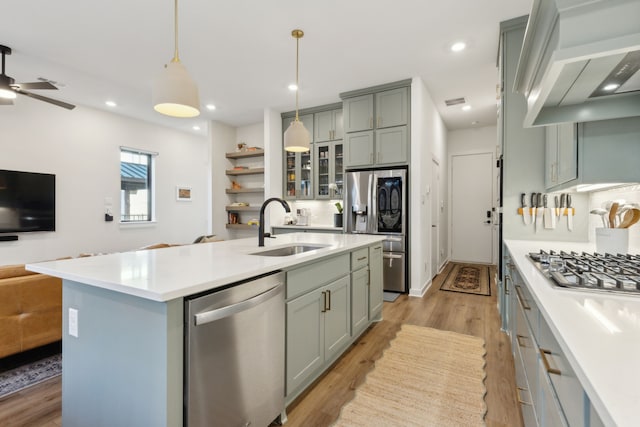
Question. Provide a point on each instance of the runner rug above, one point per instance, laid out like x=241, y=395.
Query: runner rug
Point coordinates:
x=426, y=377
x=468, y=278
x=31, y=374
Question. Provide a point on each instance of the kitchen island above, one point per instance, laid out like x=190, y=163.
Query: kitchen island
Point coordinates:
x=123, y=318
x=596, y=336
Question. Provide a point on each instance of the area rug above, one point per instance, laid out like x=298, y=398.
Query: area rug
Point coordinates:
x=469, y=279
x=25, y=376
x=390, y=296
x=426, y=377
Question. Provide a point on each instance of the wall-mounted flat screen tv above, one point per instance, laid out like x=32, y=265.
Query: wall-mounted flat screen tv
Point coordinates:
x=27, y=201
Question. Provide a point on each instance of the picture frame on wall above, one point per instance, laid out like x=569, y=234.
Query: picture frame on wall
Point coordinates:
x=183, y=193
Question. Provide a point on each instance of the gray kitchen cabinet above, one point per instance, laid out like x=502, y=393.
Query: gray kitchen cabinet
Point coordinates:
x=376, y=125
x=607, y=153
x=359, y=300
x=298, y=175
x=329, y=169
x=391, y=146
x=549, y=392
x=321, y=320
x=359, y=149
x=376, y=284
x=392, y=108
x=328, y=126
x=561, y=154
x=305, y=324
x=358, y=113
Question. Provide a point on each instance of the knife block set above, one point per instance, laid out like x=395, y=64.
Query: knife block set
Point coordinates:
x=543, y=216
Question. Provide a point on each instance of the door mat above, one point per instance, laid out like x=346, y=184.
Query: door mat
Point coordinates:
x=31, y=374
x=426, y=377
x=390, y=296
x=468, y=279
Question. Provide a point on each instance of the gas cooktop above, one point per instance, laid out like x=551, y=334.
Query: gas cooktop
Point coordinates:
x=591, y=272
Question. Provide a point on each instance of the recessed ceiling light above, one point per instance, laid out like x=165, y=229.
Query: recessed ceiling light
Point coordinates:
x=610, y=87
x=111, y=104
x=210, y=107
x=293, y=87
x=466, y=108
x=457, y=47
x=196, y=127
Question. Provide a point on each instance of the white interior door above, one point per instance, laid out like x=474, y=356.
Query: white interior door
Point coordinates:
x=435, y=217
x=471, y=199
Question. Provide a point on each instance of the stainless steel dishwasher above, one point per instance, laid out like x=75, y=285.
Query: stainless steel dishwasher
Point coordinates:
x=234, y=354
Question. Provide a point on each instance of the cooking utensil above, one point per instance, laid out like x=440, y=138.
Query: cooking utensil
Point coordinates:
x=554, y=212
x=626, y=220
x=539, y=211
x=603, y=216
x=612, y=214
x=556, y=202
x=526, y=215
x=634, y=219
x=548, y=213
x=534, y=203
x=569, y=213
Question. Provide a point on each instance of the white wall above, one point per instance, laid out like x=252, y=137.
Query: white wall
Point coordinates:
x=428, y=141
x=81, y=147
x=472, y=141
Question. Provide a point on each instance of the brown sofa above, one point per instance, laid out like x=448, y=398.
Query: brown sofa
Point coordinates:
x=30, y=309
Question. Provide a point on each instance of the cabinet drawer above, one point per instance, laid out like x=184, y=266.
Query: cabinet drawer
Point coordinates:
x=566, y=385
x=528, y=352
x=529, y=306
x=359, y=259
x=304, y=279
x=548, y=411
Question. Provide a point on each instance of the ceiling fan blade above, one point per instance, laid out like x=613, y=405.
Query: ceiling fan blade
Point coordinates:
x=5, y=101
x=45, y=99
x=34, y=86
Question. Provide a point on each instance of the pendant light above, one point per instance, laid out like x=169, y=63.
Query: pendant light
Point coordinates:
x=297, y=137
x=174, y=92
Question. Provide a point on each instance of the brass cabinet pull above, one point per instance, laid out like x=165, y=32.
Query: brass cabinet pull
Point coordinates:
x=518, y=338
x=362, y=258
x=521, y=298
x=545, y=362
x=507, y=279
x=324, y=302
x=329, y=307
x=520, y=401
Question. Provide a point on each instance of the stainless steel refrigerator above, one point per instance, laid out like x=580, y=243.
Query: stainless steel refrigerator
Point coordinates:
x=376, y=203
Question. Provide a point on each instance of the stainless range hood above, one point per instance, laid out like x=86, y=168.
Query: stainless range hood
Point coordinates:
x=580, y=61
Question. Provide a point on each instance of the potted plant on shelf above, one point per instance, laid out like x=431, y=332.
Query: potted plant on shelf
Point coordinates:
x=337, y=218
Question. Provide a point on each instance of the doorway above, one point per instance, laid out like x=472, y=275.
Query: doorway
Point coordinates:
x=435, y=218
x=471, y=208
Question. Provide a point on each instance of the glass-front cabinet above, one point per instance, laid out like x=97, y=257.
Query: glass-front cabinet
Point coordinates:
x=329, y=170
x=298, y=176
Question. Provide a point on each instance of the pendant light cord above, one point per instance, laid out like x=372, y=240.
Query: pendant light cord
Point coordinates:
x=297, y=85
x=176, y=58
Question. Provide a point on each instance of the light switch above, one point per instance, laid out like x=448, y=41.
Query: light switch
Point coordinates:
x=73, y=322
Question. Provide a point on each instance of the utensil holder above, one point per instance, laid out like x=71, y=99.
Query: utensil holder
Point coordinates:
x=612, y=240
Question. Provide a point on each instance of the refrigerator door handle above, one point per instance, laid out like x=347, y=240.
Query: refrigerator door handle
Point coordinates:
x=373, y=191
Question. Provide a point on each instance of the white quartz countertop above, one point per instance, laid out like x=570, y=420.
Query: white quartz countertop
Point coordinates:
x=175, y=272
x=599, y=333
x=309, y=227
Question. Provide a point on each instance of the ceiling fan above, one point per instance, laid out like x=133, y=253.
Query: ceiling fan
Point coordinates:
x=9, y=89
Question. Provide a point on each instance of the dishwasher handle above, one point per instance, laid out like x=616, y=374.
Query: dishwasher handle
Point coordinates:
x=219, y=313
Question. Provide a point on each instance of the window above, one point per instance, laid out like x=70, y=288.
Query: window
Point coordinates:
x=136, y=189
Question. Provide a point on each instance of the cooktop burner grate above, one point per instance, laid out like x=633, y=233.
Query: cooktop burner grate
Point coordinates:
x=592, y=272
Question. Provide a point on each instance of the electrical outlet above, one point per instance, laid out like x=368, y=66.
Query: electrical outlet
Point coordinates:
x=73, y=322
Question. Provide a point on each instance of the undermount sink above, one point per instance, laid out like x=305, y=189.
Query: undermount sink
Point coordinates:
x=290, y=250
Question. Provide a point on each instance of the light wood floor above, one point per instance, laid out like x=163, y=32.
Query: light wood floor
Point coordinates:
x=320, y=405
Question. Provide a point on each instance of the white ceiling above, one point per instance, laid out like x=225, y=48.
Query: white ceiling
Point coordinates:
x=242, y=55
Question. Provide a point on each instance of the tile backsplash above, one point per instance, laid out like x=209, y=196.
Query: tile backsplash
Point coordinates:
x=630, y=194
x=321, y=211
